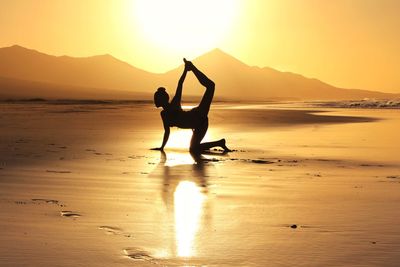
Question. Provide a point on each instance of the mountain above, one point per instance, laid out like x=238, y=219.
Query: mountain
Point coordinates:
x=102, y=71
x=236, y=80
x=29, y=73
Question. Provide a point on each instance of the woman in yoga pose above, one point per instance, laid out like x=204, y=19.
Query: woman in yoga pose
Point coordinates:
x=195, y=119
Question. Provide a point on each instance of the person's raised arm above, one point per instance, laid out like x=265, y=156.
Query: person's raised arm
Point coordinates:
x=176, y=101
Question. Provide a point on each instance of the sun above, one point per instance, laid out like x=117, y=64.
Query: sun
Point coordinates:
x=187, y=26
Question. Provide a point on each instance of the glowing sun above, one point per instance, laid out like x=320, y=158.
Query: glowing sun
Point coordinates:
x=185, y=25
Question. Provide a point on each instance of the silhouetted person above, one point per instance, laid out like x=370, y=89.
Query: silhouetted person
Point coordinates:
x=195, y=119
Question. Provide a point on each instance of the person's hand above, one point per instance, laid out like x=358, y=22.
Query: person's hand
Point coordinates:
x=187, y=68
x=157, y=148
x=188, y=64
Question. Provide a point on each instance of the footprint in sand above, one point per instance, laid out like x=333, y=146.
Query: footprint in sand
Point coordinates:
x=138, y=255
x=110, y=230
x=101, y=154
x=261, y=161
x=70, y=214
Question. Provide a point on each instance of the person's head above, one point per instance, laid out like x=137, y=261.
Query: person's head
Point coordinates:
x=161, y=97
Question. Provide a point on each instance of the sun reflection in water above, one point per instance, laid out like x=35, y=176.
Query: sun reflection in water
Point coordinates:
x=188, y=203
x=175, y=159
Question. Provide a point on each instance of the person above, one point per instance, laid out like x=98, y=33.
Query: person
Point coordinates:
x=195, y=119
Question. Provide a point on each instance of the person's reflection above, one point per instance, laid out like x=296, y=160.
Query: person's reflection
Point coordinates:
x=193, y=170
x=184, y=193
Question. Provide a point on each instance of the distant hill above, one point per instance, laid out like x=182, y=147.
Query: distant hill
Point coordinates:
x=237, y=80
x=29, y=73
x=102, y=71
x=11, y=88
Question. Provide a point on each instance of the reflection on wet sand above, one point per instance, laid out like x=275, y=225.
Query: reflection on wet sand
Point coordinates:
x=184, y=193
x=188, y=205
x=339, y=183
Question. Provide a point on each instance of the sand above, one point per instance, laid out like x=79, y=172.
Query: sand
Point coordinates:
x=304, y=187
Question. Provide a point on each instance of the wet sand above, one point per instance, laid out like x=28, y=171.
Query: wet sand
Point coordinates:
x=304, y=187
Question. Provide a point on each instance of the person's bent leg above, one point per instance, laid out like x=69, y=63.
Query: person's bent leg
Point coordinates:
x=208, y=145
x=198, y=135
x=205, y=102
x=220, y=143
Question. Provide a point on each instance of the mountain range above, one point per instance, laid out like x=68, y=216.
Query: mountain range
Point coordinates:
x=26, y=73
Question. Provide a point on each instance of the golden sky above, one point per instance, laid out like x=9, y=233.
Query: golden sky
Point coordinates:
x=347, y=43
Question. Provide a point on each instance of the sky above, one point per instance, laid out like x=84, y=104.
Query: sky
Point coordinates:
x=346, y=43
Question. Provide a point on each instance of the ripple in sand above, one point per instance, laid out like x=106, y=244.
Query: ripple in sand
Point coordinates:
x=372, y=165
x=52, y=151
x=22, y=141
x=45, y=200
x=71, y=214
x=53, y=171
x=137, y=157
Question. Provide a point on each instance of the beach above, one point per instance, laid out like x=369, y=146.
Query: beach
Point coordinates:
x=304, y=186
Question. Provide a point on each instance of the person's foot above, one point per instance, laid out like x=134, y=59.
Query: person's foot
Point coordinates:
x=223, y=145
